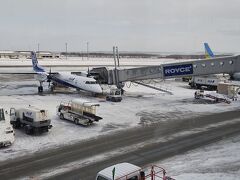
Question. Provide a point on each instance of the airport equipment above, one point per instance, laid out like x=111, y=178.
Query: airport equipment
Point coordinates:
x=200, y=94
x=7, y=135
x=216, y=65
x=115, y=95
x=230, y=89
x=127, y=171
x=79, y=111
x=208, y=82
x=32, y=119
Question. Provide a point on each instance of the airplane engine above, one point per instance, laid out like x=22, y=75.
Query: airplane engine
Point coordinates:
x=41, y=77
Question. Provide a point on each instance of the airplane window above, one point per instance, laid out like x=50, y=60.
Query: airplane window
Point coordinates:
x=221, y=63
x=195, y=66
x=230, y=62
x=212, y=64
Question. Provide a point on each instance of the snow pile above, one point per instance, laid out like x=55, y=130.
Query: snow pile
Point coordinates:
x=214, y=162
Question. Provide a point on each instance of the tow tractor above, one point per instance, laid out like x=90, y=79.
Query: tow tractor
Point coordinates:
x=79, y=111
x=115, y=95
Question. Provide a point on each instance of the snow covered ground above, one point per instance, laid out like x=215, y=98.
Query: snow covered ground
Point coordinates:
x=217, y=161
x=140, y=106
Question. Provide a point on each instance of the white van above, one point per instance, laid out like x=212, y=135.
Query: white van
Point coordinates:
x=122, y=171
x=7, y=135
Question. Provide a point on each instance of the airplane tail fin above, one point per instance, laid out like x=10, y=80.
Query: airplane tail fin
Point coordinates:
x=36, y=67
x=208, y=51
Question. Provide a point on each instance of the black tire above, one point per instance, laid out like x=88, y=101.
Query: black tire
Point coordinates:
x=76, y=121
x=16, y=124
x=27, y=130
x=61, y=116
x=40, y=89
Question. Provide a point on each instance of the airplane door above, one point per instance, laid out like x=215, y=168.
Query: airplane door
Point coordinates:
x=12, y=114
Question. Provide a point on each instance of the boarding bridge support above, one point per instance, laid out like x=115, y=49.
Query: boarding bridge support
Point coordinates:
x=227, y=64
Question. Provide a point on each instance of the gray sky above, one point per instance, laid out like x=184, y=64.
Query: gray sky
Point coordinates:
x=132, y=25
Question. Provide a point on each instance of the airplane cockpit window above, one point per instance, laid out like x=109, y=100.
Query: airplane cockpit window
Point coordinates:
x=91, y=82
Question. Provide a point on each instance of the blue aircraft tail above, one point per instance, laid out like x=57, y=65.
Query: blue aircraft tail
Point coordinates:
x=208, y=51
x=36, y=67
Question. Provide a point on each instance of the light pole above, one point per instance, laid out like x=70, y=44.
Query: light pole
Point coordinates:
x=87, y=50
x=66, y=46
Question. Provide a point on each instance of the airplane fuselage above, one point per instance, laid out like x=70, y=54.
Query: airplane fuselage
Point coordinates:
x=78, y=82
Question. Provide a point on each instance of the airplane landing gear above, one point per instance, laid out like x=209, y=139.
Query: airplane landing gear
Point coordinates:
x=40, y=88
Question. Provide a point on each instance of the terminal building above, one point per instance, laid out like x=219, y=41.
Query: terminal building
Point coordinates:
x=27, y=54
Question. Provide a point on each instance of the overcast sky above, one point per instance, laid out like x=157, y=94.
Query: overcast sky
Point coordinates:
x=132, y=25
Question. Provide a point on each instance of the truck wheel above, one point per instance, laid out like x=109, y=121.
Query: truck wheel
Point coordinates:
x=27, y=129
x=76, y=121
x=61, y=116
x=16, y=124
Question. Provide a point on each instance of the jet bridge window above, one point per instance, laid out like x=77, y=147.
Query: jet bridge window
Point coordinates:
x=2, y=118
x=90, y=82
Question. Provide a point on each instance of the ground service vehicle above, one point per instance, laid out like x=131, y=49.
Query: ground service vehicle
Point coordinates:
x=79, y=111
x=208, y=82
x=127, y=171
x=115, y=95
x=32, y=119
x=7, y=135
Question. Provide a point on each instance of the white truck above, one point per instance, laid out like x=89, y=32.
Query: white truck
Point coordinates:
x=32, y=119
x=121, y=171
x=79, y=111
x=115, y=95
x=128, y=171
x=7, y=135
x=208, y=82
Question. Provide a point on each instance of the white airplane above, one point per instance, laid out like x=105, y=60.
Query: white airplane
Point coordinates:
x=64, y=78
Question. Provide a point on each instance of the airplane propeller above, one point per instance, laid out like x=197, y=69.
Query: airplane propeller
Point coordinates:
x=88, y=72
x=49, y=78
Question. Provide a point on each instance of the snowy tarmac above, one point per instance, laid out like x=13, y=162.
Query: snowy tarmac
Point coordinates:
x=140, y=106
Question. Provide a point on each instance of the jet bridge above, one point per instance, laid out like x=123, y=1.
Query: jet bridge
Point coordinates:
x=228, y=64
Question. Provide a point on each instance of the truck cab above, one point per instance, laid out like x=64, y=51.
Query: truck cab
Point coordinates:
x=7, y=135
x=115, y=95
x=121, y=171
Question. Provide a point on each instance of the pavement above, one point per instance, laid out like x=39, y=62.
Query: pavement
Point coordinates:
x=159, y=141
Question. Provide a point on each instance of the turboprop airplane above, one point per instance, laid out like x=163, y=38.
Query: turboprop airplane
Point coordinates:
x=209, y=54
x=64, y=78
